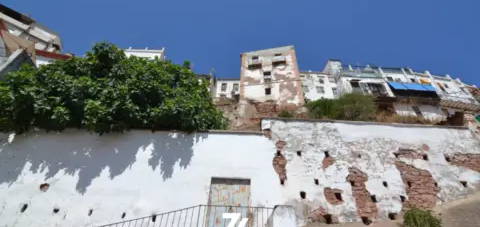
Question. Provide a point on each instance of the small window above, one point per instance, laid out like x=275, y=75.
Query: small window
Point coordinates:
x=446, y=85
x=321, y=81
x=224, y=87
x=254, y=57
x=417, y=111
x=334, y=90
x=389, y=78
x=355, y=84
x=320, y=90
x=235, y=87
x=413, y=80
x=267, y=73
x=278, y=54
x=268, y=91
x=305, y=89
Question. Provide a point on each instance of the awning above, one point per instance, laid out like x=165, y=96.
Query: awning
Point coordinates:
x=415, y=87
x=429, y=87
x=397, y=86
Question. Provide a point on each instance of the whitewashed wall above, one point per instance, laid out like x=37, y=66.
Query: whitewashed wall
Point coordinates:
x=139, y=172
x=375, y=143
x=312, y=80
x=229, y=88
x=433, y=113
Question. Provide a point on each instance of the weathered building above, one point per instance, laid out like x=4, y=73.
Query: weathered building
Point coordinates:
x=146, y=53
x=271, y=75
x=318, y=85
x=227, y=88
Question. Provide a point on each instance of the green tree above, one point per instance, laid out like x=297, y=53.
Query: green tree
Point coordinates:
x=106, y=91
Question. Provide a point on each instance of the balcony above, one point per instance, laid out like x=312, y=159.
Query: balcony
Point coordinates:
x=254, y=63
x=279, y=60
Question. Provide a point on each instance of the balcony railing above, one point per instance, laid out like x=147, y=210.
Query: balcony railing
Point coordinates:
x=202, y=216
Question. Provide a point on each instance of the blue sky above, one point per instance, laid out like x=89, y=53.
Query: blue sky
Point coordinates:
x=442, y=36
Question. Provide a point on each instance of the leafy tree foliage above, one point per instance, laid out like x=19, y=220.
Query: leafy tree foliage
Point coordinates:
x=105, y=92
x=354, y=106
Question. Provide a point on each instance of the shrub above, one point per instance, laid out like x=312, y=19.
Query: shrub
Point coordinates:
x=420, y=218
x=285, y=114
x=355, y=107
x=106, y=91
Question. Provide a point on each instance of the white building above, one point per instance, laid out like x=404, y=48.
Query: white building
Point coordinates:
x=318, y=85
x=227, y=88
x=146, y=53
x=271, y=75
x=27, y=28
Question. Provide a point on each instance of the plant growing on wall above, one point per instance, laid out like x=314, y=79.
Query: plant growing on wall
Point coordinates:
x=106, y=92
x=420, y=218
x=354, y=106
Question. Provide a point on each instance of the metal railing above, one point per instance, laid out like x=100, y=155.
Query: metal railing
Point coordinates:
x=201, y=216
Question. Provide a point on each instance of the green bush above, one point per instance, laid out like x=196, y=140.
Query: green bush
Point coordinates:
x=355, y=107
x=420, y=218
x=106, y=91
x=285, y=114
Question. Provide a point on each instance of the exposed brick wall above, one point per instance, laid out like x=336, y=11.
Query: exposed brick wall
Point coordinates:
x=471, y=161
x=327, y=161
x=365, y=206
x=420, y=186
x=331, y=197
x=279, y=165
x=408, y=153
x=321, y=215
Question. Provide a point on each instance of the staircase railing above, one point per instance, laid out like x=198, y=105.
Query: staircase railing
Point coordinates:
x=201, y=216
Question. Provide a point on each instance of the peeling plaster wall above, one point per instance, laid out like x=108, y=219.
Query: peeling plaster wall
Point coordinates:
x=430, y=112
x=138, y=172
x=312, y=80
x=368, y=147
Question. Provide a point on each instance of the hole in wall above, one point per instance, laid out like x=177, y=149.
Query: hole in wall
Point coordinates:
x=328, y=218
x=447, y=158
x=409, y=184
x=90, y=212
x=374, y=198
x=464, y=183
x=436, y=184
x=154, y=218
x=279, y=153
x=396, y=155
x=338, y=196
x=24, y=207
x=282, y=181
x=359, y=156
x=123, y=215
x=56, y=210
x=316, y=181
x=402, y=198
x=44, y=187
x=392, y=216
x=299, y=153
x=366, y=221
x=303, y=195
x=385, y=184
x=326, y=154
x=425, y=157
x=352, y=183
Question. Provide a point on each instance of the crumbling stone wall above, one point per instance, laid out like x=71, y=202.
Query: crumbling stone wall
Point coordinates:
x=331, y=195
x=471, y=161
x=366, y=208
x=420, y=186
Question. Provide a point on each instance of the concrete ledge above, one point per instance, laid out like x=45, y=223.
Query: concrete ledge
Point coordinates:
x=364, y=123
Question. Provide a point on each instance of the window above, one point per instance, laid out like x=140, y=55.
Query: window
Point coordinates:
x=417, y=111
x=224, y=87
x=389, y=78
x=268, y=91
x=320, y=90
x=334, y=90
x=321, y=80
x=235, y=87
x=278, y=54
x=446, y=85
x=267, y=73
x=254, y=57
x=305, y=89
